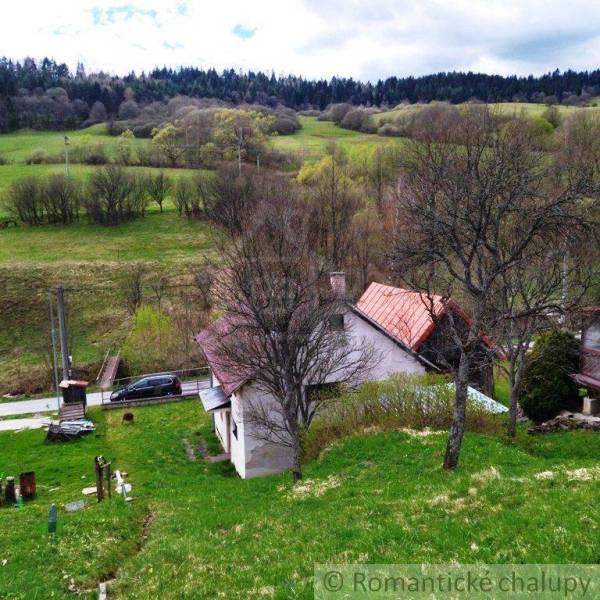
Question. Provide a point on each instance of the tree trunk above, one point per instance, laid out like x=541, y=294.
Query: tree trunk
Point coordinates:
x=296, y=457
x=515, y=385
x=458, y=424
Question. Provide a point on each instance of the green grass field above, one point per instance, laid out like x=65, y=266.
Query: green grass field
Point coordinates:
x=165, y=237
x=19, y=145
x=310, y=142
x=195, y=530
x=508, y=108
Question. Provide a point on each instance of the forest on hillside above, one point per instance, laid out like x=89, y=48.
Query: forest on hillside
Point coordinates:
x=46, y=94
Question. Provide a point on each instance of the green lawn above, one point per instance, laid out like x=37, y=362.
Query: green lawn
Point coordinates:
x=311, y=141
x=19, y=145
x=196, y=531
x=165, y=237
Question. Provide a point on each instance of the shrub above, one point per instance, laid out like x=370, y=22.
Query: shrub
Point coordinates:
x=60, y=198
x=89, y=154
x=389, y=130
x=152, y=342
x=547, y=385
x=336, y=112
x=404, y=401
x=41, y=157
x=552, y=115
x=37, y=201
x=23, y=201
x=284, y=125
x=357, y=120
x=114, y=196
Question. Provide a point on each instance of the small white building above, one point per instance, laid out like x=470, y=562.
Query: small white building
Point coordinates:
x=397, y=338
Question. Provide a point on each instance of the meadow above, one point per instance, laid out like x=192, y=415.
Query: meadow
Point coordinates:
x=194, y=530
x=507, y=108
x=313, y=139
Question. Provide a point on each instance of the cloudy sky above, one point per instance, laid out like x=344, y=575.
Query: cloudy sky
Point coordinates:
x=316, y=38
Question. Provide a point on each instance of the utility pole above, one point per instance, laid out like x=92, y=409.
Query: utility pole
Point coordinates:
x=67, y=142
x=54, y=359
x=62, y=325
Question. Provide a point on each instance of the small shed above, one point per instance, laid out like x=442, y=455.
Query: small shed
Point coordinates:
x=73, y=391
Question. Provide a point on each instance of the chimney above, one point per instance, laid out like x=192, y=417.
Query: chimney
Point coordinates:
x=337, y=279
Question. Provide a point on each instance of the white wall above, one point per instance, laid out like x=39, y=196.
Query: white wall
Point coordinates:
x=252, y=456
x=221, y=428
x=392, y=359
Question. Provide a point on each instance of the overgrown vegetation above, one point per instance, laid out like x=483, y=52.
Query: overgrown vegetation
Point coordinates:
x=405, y=401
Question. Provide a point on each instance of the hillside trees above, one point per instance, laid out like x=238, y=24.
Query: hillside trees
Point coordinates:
x=241, y=133
x=469, y=213
x=334, y=199
x=169, y=142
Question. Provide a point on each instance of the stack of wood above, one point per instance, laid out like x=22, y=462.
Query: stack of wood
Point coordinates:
x=566, y=422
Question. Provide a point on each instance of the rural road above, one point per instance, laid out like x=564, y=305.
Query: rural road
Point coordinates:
x=43, y=405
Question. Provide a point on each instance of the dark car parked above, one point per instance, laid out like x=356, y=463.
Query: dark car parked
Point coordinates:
x=152, y=386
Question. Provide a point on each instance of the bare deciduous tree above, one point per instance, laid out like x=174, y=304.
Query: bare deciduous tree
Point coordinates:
x=475, y=202
x=279, y=308
x=158, y=187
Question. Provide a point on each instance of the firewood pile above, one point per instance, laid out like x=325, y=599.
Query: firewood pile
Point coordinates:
x=567, y=422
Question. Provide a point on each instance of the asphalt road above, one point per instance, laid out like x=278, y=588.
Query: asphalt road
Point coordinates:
x=44, y=405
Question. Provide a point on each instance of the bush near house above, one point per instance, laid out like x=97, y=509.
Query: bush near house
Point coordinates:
x=403, y=401
x=547, y=385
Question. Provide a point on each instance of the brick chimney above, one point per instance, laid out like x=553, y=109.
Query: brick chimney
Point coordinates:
x=337, y=280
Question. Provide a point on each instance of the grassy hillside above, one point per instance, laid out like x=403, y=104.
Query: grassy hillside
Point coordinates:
x=19, y=145
x=310, y=142
x=509, y=108
x=196, y=531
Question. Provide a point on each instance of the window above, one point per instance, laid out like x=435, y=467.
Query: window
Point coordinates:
x=234, y=428
x=336, y=322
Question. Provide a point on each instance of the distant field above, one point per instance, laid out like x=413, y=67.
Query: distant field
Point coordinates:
x=531, y=110
x=310, y=142
x=19, y=145
x=163, y=237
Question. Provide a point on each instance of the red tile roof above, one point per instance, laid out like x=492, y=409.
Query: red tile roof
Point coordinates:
x=401, y=313
x=230, y=376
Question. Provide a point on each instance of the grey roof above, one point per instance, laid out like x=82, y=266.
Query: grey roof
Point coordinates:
x=214, y=399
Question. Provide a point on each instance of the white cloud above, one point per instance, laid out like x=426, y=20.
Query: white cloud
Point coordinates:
x=314, y=38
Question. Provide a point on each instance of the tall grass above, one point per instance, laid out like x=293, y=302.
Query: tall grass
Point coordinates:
x=403, y=401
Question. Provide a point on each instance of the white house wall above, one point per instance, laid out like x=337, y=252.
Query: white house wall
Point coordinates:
x=221, y=428
x=252, y=456
x=392, y=359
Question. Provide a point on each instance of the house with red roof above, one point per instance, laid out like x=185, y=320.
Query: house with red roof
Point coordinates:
x=398, y=322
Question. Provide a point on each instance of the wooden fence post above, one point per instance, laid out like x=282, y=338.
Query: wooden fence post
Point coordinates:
x=99, y=478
